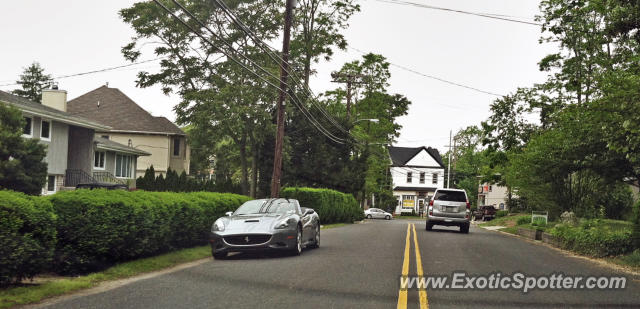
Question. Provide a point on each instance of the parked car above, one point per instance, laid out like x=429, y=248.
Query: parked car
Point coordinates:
x=266, y=224
x=449, y=207
x=477, y=214
x=101, y=185
x=376, y=213
x=488, y=212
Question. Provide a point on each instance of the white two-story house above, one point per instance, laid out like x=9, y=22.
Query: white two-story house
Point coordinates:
x=417, y=173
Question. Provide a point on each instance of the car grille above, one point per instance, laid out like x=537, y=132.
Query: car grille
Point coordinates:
x=247, y=239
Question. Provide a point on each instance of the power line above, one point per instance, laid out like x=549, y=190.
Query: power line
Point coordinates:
x=435, y=77
x=201, y=36
x=485, y=15
x=96, y=71
x=274, y=55
x=308, y=115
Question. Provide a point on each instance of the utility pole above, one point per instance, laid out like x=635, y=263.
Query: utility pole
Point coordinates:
x=284, y=75
x=449, y=163
x=349, y=79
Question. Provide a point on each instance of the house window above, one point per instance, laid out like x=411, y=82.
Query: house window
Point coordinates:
x=435, y=179
x=409, y=176
x=176, y=147
x=408, y=201
x=105, y=136
x=27, y=131
x=98, y=160
x=421, y=177
x=130, y=143
x=51, y=184
x=124, y=166
x=490, y=188
x=45, y=130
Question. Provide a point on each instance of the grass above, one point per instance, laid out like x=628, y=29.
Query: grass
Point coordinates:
x=508, y=220
x=32, y=293
x=411, y=217
x=631, y=260
x=333, y=225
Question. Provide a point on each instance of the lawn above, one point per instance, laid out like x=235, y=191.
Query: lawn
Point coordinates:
x=27, y=293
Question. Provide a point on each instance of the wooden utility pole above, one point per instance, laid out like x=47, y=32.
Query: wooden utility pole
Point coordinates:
x=349, y=79
x=284, y=75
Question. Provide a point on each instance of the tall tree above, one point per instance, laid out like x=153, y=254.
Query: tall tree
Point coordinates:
x=32, y=81
x=22, y=166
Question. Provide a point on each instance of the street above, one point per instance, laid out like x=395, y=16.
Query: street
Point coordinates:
x=359, y=266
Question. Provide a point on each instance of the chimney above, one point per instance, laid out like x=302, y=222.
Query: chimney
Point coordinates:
x=55, y=98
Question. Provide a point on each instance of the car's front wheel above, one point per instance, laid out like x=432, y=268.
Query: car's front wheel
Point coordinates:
x=388, y=217
x=297, y=249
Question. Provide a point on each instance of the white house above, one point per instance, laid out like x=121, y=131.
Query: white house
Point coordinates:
x=494, y=195
x=417, y=173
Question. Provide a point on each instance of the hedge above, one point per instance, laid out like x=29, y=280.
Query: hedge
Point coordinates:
x=594, y=239
x=97, y=228
x=27, y=236
x=332, y=206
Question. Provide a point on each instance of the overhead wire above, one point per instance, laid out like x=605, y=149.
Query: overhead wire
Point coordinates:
x=295, y=100
x=201, y=36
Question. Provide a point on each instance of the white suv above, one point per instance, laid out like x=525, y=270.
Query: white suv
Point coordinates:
x=449, y=207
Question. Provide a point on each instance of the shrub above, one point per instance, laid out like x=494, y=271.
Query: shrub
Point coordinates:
x=27, y=236
x=594, y=238
x=635, y=234
x=332, y=206
x=97, y=228
x=523, y=220
x=501, y=213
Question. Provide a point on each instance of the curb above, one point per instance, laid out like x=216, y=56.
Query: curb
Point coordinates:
x=600, y=262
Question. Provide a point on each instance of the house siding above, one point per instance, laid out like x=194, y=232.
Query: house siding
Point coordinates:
x=81, y=149
x=57, y=148
x=160, y=147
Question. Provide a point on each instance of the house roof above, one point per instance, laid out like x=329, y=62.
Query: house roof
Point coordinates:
x=112, y=107
x=401, y=155
x=105, y=144
x=37, y=109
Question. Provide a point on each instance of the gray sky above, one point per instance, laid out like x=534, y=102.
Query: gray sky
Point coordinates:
x=72, y=36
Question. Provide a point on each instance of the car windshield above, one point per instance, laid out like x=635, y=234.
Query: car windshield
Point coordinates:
x=450, y=196
x=250, y=207
x=265, y=206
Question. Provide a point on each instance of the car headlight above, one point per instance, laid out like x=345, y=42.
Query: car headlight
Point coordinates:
x=218, y=226
x=282, y=224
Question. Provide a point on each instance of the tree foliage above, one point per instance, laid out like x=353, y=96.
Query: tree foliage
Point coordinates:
x=21, y=160
x=32, y=81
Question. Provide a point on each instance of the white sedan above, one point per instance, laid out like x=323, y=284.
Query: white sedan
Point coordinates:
x=375, y=213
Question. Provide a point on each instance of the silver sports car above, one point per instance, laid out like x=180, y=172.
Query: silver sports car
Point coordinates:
x=266, y=224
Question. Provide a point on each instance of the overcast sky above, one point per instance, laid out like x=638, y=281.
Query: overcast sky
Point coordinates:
x=73, y=36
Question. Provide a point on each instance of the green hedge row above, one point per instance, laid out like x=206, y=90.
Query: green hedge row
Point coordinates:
x=332, y=206
x=594, y=239
x=27, y=236
x=98, y=227
x=84, y=230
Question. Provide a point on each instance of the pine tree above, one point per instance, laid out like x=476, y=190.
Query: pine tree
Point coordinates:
x=21, y=160
x=33, y=80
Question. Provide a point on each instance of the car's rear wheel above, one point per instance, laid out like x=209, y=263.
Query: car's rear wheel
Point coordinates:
x=297, y=249
x=316, y=240
x=464, y=229
x=429, y=226
x=369, y=217
x=388, y=217
x=219, y=255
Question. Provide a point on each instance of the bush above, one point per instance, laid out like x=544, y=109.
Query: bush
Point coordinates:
x=97, y=228
x=27, y=236
x=332, y=206
x=523, y=220
x=635, y=234
x=594, y=238
x=501, y=213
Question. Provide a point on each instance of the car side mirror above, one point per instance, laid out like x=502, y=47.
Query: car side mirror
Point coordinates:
x=228, y=213
x=309, y=211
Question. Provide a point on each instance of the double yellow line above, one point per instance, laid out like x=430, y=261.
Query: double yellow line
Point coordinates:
x=402, y=294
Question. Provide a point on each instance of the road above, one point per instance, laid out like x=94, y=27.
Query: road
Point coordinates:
x=359, y=266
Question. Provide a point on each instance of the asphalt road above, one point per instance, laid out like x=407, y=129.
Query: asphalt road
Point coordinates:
x=359, y=266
